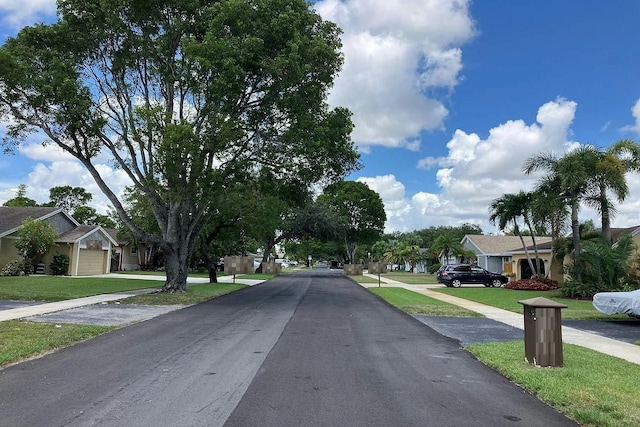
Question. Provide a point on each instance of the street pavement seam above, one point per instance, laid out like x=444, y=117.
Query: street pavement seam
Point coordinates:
x=616, y=348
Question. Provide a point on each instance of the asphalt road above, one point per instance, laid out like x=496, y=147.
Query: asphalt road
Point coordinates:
x=311, y=349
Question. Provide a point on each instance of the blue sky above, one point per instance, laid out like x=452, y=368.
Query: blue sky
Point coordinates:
x=449, y=98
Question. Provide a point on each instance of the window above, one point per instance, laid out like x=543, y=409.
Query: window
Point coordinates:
x=134, y=250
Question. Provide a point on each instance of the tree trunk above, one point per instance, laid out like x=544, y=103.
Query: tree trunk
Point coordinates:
x=606, y=214
x=526, y=252
x=575, y=231
x=176, y=263
x=535, y=247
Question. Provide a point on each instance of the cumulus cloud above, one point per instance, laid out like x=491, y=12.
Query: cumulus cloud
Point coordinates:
x=475, y=171
x=16, y=14
x=397, y=52
x=71, y=172
x=49, y=153
x=635, y=112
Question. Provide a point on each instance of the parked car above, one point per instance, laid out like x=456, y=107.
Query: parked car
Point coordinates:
x=618, y=302
x=454, y=275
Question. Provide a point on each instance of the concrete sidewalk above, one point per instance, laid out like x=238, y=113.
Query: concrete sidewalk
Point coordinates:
x=595, y=342
x=53, y=307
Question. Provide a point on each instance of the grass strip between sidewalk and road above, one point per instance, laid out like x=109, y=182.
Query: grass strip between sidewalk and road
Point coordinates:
x=595, y=389
x=20, y=340
x=415, y=303
x=194, y=295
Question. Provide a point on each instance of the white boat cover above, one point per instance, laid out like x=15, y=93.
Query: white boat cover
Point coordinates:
x=618, y=302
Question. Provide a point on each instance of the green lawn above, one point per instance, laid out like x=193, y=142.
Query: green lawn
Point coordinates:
x=415, y=303
x=193, y=295
x=58, y=288
x=593, y=388
x=19, y=340
x=507, y=299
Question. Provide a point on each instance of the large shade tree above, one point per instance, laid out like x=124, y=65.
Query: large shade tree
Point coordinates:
x=185, y=97
x=362, y=211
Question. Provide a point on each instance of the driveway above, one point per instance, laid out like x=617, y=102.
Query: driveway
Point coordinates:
x=311, y=349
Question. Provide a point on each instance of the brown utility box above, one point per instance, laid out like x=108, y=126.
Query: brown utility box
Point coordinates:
x=542, y=331
x=271, y=268
x=353, y=269
x=238, y=265
x=377, y=267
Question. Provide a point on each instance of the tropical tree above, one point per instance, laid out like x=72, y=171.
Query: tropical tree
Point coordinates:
x=506, y=210
x=610, y=177
x=573, y=175
x=447, y=244
x=362, y=210
x=604, y=267
x=549, y=211
x=186, y=97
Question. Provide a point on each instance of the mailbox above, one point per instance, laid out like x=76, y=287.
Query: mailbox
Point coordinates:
x=543, y=331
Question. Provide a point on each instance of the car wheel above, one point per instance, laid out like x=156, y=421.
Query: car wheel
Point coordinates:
x=456, y=283
x=496, y=283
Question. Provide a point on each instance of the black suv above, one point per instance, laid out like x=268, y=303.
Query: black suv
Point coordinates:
x=457, y=274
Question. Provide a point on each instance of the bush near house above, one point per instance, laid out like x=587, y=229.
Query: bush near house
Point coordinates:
x=13, y=268
x=60, y=264
x=540, y=284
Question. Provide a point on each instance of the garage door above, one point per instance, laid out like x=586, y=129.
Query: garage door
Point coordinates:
x=91, y=262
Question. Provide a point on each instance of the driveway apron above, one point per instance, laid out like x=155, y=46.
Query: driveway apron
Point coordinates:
x=312, y=349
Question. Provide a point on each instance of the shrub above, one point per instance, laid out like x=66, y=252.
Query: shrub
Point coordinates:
x=539, y=284
x=60, y=264
x=577, y=290
x=13, y=268
x=433, y=268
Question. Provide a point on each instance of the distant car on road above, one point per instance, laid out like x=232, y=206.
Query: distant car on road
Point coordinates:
x=618, y=302
x=454, y=275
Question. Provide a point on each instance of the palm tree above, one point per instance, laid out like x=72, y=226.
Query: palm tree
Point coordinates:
x=506, y=210
x=446, y=244
x=549, y=211
x=614, y=163
x=573, y=174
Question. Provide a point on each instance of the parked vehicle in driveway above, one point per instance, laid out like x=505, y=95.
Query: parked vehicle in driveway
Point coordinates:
x=455, y=275
x=618, y=302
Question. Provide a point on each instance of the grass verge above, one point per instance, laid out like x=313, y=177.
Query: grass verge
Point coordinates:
x=507, y=299
x=593, y=388
x=50, y=288
x=365, y=279
x=415, y=303
x=19, y=340
x=412, y=278
x=193, y=295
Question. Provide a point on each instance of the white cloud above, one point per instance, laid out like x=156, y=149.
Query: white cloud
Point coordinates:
x=477, y=170
x=16, y=14
x=49, y=152
x=59, y=173
x=396, y=53
x=635, y=112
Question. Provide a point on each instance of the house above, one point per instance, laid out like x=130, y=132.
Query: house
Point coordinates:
x=88, y=246
x=501, y=254
x=126, y=254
